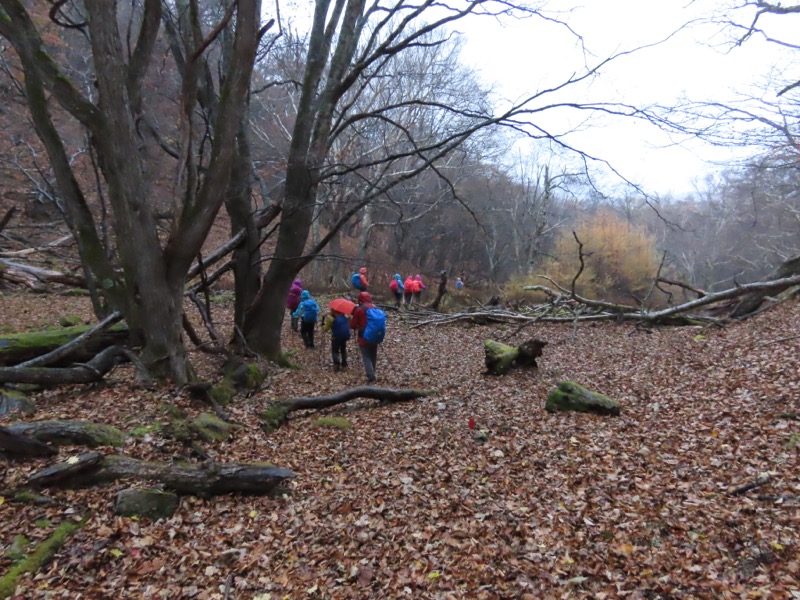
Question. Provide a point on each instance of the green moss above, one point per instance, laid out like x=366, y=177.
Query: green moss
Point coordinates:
x=47, y=338
x=211, y=428
x=43, y=552
x=255, y=378
x=43, y=523
x=17, y=549
x=106, y=435
x=284, y=360
x=569, y=396
x=274, y=417
x=26, y=497
x=223, y=392
x=145, y=429
x=334, y=422
x=69, y=321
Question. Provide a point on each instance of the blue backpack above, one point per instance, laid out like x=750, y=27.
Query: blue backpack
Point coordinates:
x=356, y=281
x=310, y=311
x=341, y=328
x=375, y=330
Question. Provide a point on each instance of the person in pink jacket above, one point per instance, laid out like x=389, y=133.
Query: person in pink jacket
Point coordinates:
x=418, y=288
x=293, y=301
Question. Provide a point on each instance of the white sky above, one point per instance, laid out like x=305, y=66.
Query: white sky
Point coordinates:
x=530, y=54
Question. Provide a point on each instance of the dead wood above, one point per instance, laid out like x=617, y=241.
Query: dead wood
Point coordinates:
x=16, y=445
x=742, y=489
x=38, y=348
x=205, y=480
x=374, y=393
x=35, y=278
x=70, y=347
x=72, y=433
x=750, y=303
x=89, y=372
x=278, y=412
x=501, y=358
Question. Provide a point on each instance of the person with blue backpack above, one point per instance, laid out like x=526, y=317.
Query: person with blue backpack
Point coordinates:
x=308, y=312
x=339, y=326
x=370, y=323
x=359, y=280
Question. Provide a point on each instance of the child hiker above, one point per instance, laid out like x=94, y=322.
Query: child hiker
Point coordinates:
x=308, y=312
x=408, y=291
x=339, y=326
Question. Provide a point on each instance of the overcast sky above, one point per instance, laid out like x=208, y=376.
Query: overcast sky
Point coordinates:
x=529, y=54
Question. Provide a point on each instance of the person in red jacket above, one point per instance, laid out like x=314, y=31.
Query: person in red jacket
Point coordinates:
x=408, y=291
x=369, y=352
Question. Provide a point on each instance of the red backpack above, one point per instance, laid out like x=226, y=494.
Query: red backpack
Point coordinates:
x=393, y=285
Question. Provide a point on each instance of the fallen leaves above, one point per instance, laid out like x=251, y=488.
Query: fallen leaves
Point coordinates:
x=413, y=503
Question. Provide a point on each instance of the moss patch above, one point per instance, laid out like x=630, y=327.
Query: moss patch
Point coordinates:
x=211, y=428
x=223, y=392
x=43, y=552
x=334, y=422
x=106, y=435
x=274, y=417
x=255, y=378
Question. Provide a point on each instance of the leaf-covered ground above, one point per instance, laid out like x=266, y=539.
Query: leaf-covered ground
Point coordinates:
x=412, y=503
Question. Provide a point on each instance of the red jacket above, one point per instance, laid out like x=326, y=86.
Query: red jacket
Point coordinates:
x=359, y=320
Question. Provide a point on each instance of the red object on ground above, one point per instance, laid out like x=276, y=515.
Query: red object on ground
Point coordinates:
x=471, y=423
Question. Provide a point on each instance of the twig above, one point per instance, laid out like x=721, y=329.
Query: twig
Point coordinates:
x=760, y=480
x=778, y=341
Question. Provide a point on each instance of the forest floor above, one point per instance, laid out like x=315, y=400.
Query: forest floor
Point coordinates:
x=411, y=503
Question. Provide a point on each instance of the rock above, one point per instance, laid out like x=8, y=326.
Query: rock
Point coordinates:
x=154, y=504
x=569, y=396
x=15, y=402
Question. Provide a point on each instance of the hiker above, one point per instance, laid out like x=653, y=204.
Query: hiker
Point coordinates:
x=308, y=312
x=396, y=285
x=359, y=280
x=339, y=326
x=370, y=323
x=419, y=287
x=293, y=300
x=459, y=284
x=408, y=291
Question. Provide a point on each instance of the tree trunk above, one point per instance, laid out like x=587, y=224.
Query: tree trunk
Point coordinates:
x=441, y=291
x=205, y=480
x=92, y=371
x=246, y=256
x=69, y=433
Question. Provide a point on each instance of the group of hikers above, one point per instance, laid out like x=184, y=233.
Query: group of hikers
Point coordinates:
x=363, y=317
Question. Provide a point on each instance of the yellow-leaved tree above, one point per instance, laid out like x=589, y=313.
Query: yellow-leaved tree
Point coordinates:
x=620, y=258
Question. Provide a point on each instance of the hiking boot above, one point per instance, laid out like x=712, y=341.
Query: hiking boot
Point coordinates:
x=337, y=367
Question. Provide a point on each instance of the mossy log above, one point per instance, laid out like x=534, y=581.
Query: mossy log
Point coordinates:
x=501, y=358
x=205, y=480
x=78, y=433
x=277, y=413
x=20, y=347
x=89, y=372
x=18, y=446
x=36, y=559
x=569, y=396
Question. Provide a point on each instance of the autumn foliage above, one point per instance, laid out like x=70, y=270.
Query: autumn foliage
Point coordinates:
x=619, y=257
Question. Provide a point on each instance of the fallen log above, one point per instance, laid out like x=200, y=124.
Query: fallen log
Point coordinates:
x=277, y=413
x=16, y=348
x=205, y=480
x=501, y=358
x=72, y=433
x=36, y=277
x=750, y=303
x=16, y=445
x=89, y=372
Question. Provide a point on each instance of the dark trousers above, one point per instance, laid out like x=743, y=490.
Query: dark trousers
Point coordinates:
x=294, y=320
x=307, y=331
x=339, y=353
x=408, y=296
x=398, y=299
x=369, y=354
